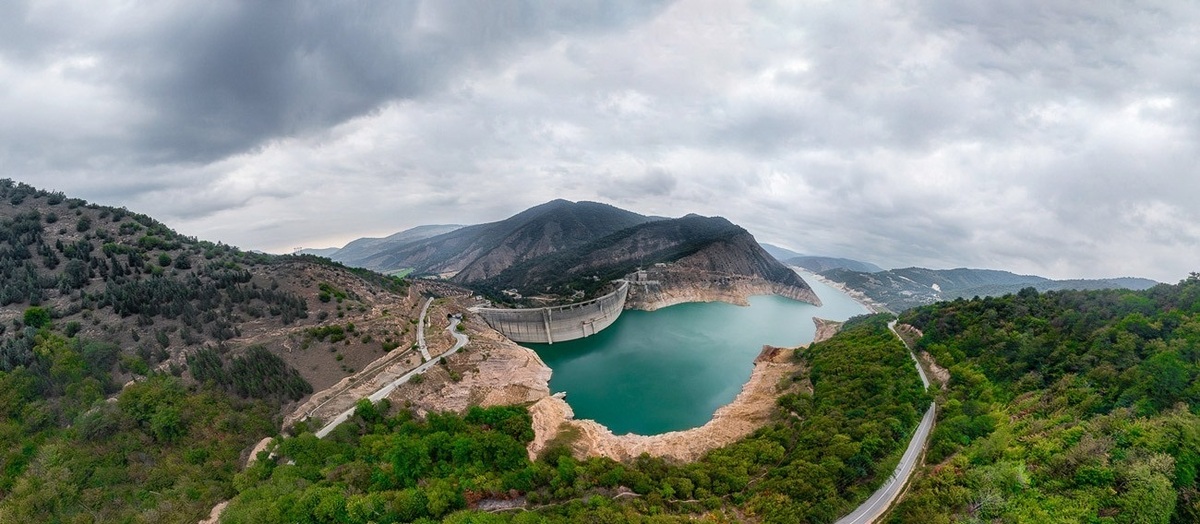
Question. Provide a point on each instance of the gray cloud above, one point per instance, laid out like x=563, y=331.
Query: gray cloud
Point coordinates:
x=1057, y=138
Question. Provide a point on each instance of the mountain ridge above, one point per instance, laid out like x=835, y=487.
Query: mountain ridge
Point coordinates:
x=905, y=288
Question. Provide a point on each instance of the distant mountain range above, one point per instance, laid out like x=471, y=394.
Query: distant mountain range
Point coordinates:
x=901, y=289
x=563, y=247
x=364, y=252
x=817, y=264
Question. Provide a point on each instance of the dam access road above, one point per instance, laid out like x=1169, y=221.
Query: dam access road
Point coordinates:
x=879, y=502
x=460, y=340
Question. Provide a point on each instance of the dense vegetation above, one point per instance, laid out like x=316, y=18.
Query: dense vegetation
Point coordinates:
x=75, y=447
x=832, y=442
x=1066, y=406
x=257, y=373
x=169, y=301
x=114, y=263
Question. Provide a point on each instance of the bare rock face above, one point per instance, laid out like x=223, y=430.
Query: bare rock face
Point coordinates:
x=668, y=285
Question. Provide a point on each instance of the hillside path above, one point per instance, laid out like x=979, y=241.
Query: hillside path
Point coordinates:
x=460, y=340
x=421, y=331
x=887, y=494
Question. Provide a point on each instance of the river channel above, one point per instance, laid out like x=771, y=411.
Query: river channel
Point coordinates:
x=657, y=371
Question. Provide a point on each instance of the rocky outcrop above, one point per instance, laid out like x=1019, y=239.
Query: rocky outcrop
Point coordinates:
x=490, y=371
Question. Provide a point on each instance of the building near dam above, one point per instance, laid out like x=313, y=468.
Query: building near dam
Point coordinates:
x=547, y=325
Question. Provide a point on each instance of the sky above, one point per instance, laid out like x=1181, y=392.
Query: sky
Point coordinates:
x=1059, y=138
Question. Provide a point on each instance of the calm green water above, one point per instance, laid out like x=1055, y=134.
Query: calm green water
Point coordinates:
x=657, y=371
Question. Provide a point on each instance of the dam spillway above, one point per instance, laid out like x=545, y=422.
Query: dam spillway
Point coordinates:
x=547, y=325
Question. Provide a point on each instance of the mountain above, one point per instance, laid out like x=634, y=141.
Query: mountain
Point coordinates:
x=317, y=252
x=364, y=252
x=780, y=253
x=818, y=264
x=162, y=300
x=482, y=251
x=683, y=247
x=902, y=289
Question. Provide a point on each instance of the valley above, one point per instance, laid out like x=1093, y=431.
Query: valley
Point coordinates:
x=140, y=368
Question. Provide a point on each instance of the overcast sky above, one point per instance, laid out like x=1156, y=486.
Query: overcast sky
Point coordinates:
x=1060, y=138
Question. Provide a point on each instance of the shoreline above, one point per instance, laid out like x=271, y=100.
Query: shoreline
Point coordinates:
x=856, y=295
x=750, y=410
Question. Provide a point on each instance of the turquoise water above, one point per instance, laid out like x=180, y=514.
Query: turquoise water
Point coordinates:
x=657, y=371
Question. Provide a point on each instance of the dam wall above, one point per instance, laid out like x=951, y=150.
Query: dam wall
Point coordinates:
x=547, y=325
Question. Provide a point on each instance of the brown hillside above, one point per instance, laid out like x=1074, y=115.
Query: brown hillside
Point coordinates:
x=123, y=278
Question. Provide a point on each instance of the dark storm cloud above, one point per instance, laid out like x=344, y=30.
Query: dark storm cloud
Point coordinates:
x=219, y=78
x=1052, y=137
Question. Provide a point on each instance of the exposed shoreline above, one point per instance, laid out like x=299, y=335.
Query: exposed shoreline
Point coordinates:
x=858, y=296
x=751, y=409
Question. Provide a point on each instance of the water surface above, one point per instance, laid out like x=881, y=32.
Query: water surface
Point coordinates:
x=657, y=371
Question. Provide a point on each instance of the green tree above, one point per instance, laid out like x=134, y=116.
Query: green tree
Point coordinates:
x=37, y=317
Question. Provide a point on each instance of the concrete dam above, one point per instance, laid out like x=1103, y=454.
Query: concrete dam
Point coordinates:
x=547, y=325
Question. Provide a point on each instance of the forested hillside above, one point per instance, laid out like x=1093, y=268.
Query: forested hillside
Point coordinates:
x=1068, y=406
x=168, y=301
x=137, y=364
x=76, y=447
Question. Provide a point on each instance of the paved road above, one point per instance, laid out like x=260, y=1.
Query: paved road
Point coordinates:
x=421, y=331
x=913, y=356
x=882, y=499
x=460, y=340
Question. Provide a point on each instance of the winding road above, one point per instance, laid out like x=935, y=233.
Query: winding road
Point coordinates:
x=887, y=494
x=460, y=340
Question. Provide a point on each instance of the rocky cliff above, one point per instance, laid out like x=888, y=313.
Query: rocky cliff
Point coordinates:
x=674, y=284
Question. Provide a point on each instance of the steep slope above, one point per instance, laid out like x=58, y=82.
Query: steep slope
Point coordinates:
x=167, y=301
x=818, y=264
x=482, y=251
x=364, y=252
x=901, y=289
x=691, y=249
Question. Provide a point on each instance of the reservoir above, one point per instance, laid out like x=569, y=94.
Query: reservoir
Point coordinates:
x=657, y=371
